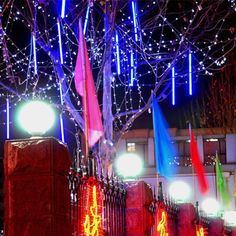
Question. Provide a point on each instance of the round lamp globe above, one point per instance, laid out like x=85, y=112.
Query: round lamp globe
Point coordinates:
x=129, y=165
x=36, y=117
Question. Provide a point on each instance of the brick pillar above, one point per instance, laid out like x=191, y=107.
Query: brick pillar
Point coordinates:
x=216, y=227
x=139, y=220
x=233, y=232
x=37, y=199
x=186, y=220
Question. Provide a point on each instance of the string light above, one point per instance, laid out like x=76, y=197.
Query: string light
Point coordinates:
x=190, y=73
x=63, y=6
x=60, y=42
x=150, y=46
x=35, y=56
x=86, y=20
x=117, y=54
x=134, y=20
x=162, y=225
x=173, y=84
x=131, y=68
x=200, y=232
x=92, y=219
x=8, y=118
x=61, y=117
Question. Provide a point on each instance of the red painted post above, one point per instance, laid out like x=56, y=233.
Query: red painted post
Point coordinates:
x=37, y=198
x=216, y=227
x=186, y=220
x=139, y=220
x=233, y=232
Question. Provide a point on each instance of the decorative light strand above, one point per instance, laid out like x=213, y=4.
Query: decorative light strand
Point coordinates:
x=134, y=20
x=63, y=7
x=93, y=219
x=35, y=56
x=60, y=42
x=131, y=68
x=61, y=117
x=8, y=118
x=117, y=54
x=173, y=84
x=86, y=20
x=190, y=73
x=162, y=225
x=200, y=232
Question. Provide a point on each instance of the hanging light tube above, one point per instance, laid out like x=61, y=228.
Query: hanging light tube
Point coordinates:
x=60, y=41
x=134, y=21
x=173, y=85
x=61, y=118
x=63, y=6
x=8, y=118
x=190, y=73
x=117, y=54
x=131, y=68
x=35, y=56
x=86, y=21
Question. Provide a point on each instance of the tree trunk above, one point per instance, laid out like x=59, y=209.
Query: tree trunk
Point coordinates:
x=107, y=145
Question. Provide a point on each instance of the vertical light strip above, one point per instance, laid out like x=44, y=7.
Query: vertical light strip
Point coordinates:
x=60, y=42
x=86, y=21
x=61, y=118
x=117, y=54
x=134, y=20
x=190, y=73
x=131, y=68
x=63, y=6
x=8, y=119
x=35, y=56
x=173, y=85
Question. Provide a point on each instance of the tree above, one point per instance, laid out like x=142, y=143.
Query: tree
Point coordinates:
x=133, y=46
x=218, y=106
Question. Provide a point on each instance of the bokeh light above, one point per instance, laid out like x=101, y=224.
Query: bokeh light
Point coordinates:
x=36, y=117
x=129, y=165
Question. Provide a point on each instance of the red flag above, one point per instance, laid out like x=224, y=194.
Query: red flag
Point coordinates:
x=85, y=87
x=197, y=165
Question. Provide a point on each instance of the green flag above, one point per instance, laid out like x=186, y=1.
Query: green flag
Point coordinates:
x=221, y=184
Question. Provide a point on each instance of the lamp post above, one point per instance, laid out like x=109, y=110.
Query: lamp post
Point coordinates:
x=37, y=197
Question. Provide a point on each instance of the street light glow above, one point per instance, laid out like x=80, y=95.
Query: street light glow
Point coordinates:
x=230, y=218
x=129, y=165
x=211, y=207
x=180, y=191
x=36, y=117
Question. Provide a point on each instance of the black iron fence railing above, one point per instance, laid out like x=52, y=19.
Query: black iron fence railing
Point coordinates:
x=97, y=205
x=164, y=210
x=167, y=214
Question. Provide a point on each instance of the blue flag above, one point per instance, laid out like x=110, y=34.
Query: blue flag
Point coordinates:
x=164, y=148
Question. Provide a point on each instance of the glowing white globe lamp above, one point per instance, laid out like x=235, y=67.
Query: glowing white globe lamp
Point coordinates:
x=230, y=218
x=211, y=207
x=36, y=117
x=180, y=191
x=129, y=165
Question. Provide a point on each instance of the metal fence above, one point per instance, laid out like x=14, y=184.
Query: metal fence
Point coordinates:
x=97, y=204
x=163, y=204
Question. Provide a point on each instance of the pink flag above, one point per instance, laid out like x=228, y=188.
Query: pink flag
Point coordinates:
x=85, y=87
